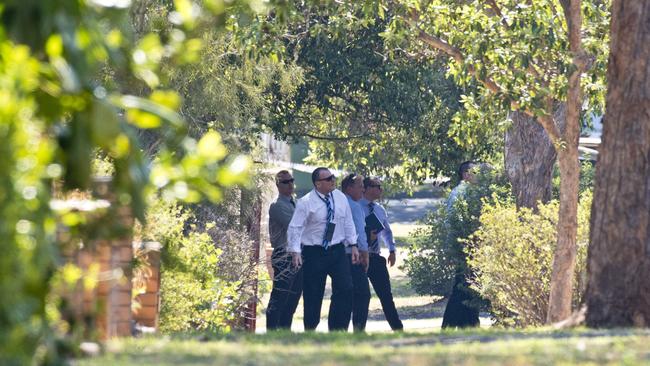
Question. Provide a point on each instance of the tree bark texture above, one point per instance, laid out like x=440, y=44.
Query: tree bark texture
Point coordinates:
x=564, y=258
x=618, y=288
x=529, y=160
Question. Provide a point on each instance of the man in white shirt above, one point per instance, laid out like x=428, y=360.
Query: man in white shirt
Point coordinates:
x=320, y=230
x=377, y=270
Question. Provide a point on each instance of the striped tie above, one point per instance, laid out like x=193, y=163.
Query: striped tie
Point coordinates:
x=330, y=214
x=374, y=246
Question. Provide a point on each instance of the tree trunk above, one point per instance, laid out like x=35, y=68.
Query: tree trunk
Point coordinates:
x=559, y=304
x=618, y=288
x=564, y=258
x=529, y=160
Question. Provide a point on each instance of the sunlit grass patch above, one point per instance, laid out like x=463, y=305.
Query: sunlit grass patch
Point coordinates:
x=466, y=347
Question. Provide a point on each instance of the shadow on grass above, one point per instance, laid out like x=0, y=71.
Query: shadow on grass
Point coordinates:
x=425, y=311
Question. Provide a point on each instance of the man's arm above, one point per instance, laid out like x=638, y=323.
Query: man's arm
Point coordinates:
x=281, y=214
x=350, y=232
x=360, y=226
x=387, y=233
x=351, y=236
x=297, y=226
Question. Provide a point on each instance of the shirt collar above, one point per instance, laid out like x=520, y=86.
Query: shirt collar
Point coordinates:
x=322, y=196
x=284, y=198
x=366, y=201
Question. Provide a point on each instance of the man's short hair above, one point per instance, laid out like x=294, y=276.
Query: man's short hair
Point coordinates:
x=464, y=168
x=349, y=180
x=280, y=174
x=316, y=174
x=367, y=181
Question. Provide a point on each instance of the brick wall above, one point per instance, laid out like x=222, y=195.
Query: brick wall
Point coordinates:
x=147, y=281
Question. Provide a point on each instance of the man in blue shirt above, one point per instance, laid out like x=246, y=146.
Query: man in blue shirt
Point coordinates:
x=352, y=186
x=460, y=310
x=377, y=270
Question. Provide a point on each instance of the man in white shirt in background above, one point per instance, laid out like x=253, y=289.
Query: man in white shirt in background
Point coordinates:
x=320, y=230
x=377, y=270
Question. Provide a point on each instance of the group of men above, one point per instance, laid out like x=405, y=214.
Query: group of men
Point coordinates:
x=335, y=233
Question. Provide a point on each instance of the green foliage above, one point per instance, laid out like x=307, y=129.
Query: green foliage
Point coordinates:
x=367, y=108
x=512, y=254
x=437, y=252
x=522, y=48
x=225, y=90
x=26, y=228
x=56, y=113
x=193, y=296
x=206, y=275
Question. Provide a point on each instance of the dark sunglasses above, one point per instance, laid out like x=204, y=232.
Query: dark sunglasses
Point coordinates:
x=329, y=179
x=287, y=181
x=375, y=185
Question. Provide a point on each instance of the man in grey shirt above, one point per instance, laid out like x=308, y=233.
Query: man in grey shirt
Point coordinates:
x=287, y=280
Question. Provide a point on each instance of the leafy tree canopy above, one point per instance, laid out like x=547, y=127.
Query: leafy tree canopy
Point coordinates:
x=370, y=108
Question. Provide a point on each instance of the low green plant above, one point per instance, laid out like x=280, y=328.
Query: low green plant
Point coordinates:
x=206, y=274
x=436, y=253
x=193, y=295
x=511, y=255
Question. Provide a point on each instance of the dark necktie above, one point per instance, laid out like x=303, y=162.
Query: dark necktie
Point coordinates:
x=330, y=214
x=374, y=245
x=293, y=203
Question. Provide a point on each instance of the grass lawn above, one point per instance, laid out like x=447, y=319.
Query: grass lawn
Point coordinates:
x=479, y=347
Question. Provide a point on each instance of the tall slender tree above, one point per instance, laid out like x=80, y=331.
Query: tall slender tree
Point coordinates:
x=534, y=58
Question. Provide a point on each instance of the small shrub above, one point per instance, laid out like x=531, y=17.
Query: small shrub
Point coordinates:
x=206, y=274
x=511, y=256
x=437, y=253
x=193, y=296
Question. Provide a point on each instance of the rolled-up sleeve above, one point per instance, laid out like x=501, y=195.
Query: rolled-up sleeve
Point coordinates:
x=387, y=233
x=349, y=225
x=360, y=225
x=297, y=226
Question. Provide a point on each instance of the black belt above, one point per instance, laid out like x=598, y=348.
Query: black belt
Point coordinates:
x=319, y=245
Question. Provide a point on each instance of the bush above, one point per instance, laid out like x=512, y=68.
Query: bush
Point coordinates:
x=436, y=254
x=193, y=295
x=206, y=273
x=512, y=254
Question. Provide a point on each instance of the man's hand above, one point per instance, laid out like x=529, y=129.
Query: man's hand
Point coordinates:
x=355, y=255
x=296, y=260
x=391, y=258
x=364, y=258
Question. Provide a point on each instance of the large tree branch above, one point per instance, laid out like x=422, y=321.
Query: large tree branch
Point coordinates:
x=457, y=55
x=497, y=11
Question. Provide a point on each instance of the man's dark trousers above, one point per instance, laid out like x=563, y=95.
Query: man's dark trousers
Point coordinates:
x=380, y=279
x=460, y=312
x=287, y=288
x=360, y=296
x=318, y=263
